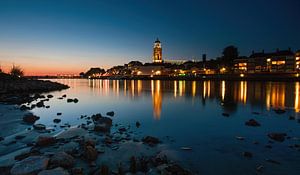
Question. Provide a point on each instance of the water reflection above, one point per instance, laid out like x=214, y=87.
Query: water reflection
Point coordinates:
x=266, y=95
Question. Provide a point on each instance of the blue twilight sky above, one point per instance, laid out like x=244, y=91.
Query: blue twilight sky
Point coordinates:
x=69, y=36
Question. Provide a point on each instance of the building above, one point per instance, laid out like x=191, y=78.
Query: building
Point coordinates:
x=297, y=61
x=157, y=52
x=241, y=65
x=275, y=62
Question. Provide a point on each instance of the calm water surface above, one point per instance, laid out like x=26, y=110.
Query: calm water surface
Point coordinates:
x=190, y=113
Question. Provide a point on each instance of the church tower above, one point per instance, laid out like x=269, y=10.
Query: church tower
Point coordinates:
x=157, y=52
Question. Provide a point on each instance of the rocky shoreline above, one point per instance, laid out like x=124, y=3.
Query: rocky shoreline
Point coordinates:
x=14, y=90
x=96, y=146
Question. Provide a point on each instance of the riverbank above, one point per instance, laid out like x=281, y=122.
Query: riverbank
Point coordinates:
x=15, y=90
x=283, y=77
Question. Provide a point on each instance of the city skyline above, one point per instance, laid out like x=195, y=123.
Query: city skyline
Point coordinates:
x=57, y=37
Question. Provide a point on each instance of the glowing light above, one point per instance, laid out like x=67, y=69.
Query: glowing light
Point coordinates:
x=223, y=90
x=269, y=59
x=242, y=75
x=194, y=88
x=297, y=87
x=139, y=72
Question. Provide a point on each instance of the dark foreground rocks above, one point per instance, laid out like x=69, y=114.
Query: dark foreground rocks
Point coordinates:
x=279, y=137
x=30, y=165
x=14, y=90
x=252, y=122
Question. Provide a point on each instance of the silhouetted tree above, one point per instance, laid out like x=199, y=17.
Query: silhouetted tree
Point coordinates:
x=229, y=54
x=93, y=72
x=16, y=71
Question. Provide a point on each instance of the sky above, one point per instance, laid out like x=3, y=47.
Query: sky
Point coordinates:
x=49, y=37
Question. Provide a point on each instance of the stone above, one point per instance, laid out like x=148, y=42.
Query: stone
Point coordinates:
x=62, y=159
x=64, y=96
x=45, y=141
x=252, y=122
x=56, y=171
x=39, y=127
x=30, y=118
x=50, y=96
x=102, y=127
x=59, y=113
x=111, y=113
x=75, y=100
x=279, y=137
x=247, y=154
x=30, y=165
x=40, y=104
x=90, y=153
x=57, y=120
x=77, y=171
x=225, y=114
x=137, y=124
x=150, y=140
x=176, y=169
x=69, y=100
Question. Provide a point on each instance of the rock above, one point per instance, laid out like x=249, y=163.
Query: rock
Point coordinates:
x=40, y=104
x=256, y=113
x=176, y=169
x=137, y=124
x=64, y=96
x=133, y=165
x=56, y=171
x=24, y=108
x=57, y=120
x=252, y=122
x=279, y=111
x=50, y=96
x=225, y=114
x=279, y=137
x=69, y=100
x=75, y=100
x=39, y=127
x=60, y=98
x=150, y=140
x=247, y=154
x=19, y=137
x=22, y=156
x=102, y=128
x=59, y=113
x=273, y=161
x=259, y=168
x=62, y=159
x=291, y=118
x=30, y=118
x=90, y=153
x=111, y=113
x=186, y=148
x=30, y=165
x=240, y=138
x=77, y=171
x=122, y=129
x=45, y=141
x=104, y=170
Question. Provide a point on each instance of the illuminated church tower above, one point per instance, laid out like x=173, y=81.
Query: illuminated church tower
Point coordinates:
x=157, y=52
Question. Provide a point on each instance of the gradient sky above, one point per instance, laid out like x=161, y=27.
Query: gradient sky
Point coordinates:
x=69, y=36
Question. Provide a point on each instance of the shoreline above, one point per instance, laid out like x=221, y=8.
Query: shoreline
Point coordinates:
x=283, y=77
x=96, y=146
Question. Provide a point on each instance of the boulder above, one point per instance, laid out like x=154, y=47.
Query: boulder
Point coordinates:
x=30, y=165
x=90, y=153
x=102, y=127
x=111, y=113
x=252, y=122
x=149, y=140
x=279, y=137
x=40, y=104
x=62, y=159
x=56, y=171
x=30, y=118
x=75, y=100
x=45, y=141
x=39, y=127
x=57, y=120
x=50, y=96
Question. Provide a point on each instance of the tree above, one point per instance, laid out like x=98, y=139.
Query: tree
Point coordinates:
x=229, y=54
x=16, y=71
x=94, y=72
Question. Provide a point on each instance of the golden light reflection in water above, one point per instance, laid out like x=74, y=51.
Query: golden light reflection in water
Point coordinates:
x=223, y=90
x=269, y=94
x=297, y=107
x=194, y=87
x=156, y=98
